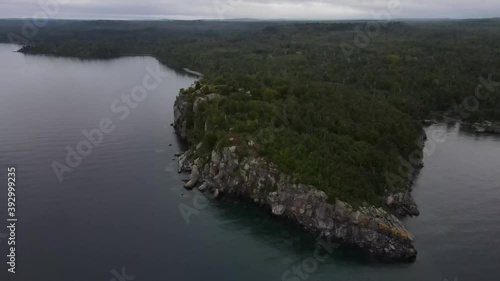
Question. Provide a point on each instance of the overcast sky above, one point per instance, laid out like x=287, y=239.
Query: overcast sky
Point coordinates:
x=260, y=9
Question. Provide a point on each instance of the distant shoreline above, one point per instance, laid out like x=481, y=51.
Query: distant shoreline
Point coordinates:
x=193, y=72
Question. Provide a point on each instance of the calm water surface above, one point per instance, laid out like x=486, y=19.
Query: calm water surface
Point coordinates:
x=120, y=207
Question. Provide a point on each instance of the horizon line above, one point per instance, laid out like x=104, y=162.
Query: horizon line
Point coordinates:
x=255, y=19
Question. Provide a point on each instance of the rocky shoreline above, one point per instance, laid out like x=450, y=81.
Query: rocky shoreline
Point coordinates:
x=236, y=170
x=486, y=127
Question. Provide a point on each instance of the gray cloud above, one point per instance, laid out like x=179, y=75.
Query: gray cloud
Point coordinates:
x=262, y=9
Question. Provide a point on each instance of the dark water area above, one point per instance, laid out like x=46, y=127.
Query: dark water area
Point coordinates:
x=121, y=207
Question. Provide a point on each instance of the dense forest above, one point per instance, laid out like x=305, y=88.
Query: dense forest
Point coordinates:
x=346, y=144
x=418, y=67
x=347, y=99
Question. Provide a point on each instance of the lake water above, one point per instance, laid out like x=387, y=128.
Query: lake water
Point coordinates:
x=120, y=207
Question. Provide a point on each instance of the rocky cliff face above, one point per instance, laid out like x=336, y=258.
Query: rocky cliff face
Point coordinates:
x=224, y=171
x=180, y=121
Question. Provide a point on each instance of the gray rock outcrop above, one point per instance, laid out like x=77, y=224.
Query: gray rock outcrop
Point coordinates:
x=486, y=127
x=253, y=178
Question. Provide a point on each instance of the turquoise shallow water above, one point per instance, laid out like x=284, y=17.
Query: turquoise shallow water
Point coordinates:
x=120, y=208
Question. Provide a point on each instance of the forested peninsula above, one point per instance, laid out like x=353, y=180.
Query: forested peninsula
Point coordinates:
x=302, y=119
